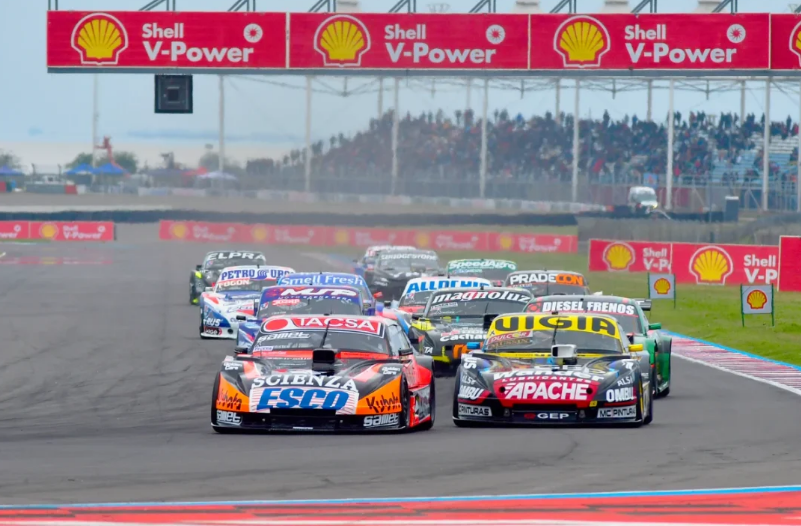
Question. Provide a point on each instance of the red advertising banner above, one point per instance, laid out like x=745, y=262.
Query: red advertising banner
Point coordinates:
x=321, y=236
x=629, y=256
x=159, y=39
x=408, y=41
x=57, y=230
x=703, y=264
x=789, y=264
x=641, y=42
x=785, y=42
x=12, y=230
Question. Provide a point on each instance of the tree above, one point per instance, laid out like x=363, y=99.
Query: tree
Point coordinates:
x=211, y=162
x=81, y=158
x=8, y=159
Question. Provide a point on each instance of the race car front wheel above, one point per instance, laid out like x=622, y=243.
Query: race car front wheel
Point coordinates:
x=433, y=405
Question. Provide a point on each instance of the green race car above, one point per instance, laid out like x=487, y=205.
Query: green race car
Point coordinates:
x=630, y=313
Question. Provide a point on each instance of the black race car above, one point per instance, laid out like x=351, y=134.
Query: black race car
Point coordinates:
x=455, y=317
x=206, y=274
x=394, y=269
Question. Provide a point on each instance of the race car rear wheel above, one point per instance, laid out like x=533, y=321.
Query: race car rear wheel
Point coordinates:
x=433, y=404
x=406, y=402
x=651, y=395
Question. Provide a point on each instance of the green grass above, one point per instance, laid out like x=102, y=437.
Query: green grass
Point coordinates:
x=706, y=312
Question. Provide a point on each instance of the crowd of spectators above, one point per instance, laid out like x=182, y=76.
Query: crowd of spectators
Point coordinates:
x=433, y=147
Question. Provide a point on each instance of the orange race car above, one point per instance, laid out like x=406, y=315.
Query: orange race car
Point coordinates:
x=325, y=373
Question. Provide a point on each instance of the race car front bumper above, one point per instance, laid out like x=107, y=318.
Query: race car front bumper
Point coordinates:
x=228, y=332
x=544, y=414
x=306, y=420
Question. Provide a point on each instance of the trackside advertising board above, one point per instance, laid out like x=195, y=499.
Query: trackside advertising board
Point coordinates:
x=339, y=42
x=703, y=264
x=322, y=236
x=57, y=231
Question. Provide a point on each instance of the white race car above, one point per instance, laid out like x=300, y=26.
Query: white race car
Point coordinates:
x=233, y=294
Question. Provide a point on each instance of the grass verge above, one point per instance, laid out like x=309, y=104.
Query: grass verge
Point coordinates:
x=706, y=312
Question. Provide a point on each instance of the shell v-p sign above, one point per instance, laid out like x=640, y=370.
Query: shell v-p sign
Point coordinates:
x=154, y=40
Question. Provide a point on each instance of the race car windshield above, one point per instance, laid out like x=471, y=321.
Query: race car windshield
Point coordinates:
x=304, y=339
x=309, y=306
x=240, y=284
x=402, y=263
x=415, y=298
x=219, y=264
x=548, y=289
x=492, y=274
x=541, y=341
x=474, y=308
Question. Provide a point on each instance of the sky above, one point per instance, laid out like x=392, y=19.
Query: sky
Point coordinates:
x=266, y=115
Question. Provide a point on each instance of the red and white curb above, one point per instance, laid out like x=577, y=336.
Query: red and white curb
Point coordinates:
x=778, y=374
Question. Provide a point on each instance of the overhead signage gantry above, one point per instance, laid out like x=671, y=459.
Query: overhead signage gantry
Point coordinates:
x=176, y=44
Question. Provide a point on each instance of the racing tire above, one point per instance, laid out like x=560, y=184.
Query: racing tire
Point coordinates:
x=406, y=401
x=666, y=391
x=651, y=395
x=217, y=429
x=433, y=404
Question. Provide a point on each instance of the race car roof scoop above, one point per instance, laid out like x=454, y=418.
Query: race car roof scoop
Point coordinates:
x=565, y=352
x=323, y=360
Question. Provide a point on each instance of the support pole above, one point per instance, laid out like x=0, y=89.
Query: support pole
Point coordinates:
x=221, y=139
x=482, y=171
x=765, y=149
x=395, y=129
x=95, y=118
x=469, y=94
x=308, y=166
x=576, y=150
x=650, y=99
x=380, y=96
x=742, y=102
x=558, y=100
x=670, y=134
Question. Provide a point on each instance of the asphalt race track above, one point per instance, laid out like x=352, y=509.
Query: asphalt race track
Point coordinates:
x=106, y=390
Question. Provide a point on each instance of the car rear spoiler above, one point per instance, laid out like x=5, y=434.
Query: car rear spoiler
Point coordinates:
x=644, y=304
x=323, y=360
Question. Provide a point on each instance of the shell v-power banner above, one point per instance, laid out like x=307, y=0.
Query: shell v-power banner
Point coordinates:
x=335, y=42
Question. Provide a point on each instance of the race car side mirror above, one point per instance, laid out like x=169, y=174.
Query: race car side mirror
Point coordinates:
x=241, y=349
x=406, y=352
x=198, y=267
x=241, y=317
x=654, y=326
x=635, y=347
x=378, y=295
x=208, y=289
x=416, y=316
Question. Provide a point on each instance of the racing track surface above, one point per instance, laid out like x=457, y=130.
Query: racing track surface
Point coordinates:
x=106, y=390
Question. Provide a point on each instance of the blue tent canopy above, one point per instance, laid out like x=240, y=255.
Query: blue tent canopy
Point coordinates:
x=81, y=169
x=5, y=170
x=110, y=169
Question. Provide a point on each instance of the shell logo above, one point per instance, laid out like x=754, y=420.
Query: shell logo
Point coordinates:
x=99, y=38
x=342, y=40
x=582, y=41
x=618, y=256
x=505, y=241
x=178, y=230
x=756, y=299
x=795, y=41
x=662, y=286
x=48, y=231
x=342, y=237
x=259, y=233
x=711, y=266
x=422, y=240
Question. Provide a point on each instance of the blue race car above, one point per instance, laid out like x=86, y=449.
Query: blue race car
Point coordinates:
x=297, y=300
x=335, y=279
